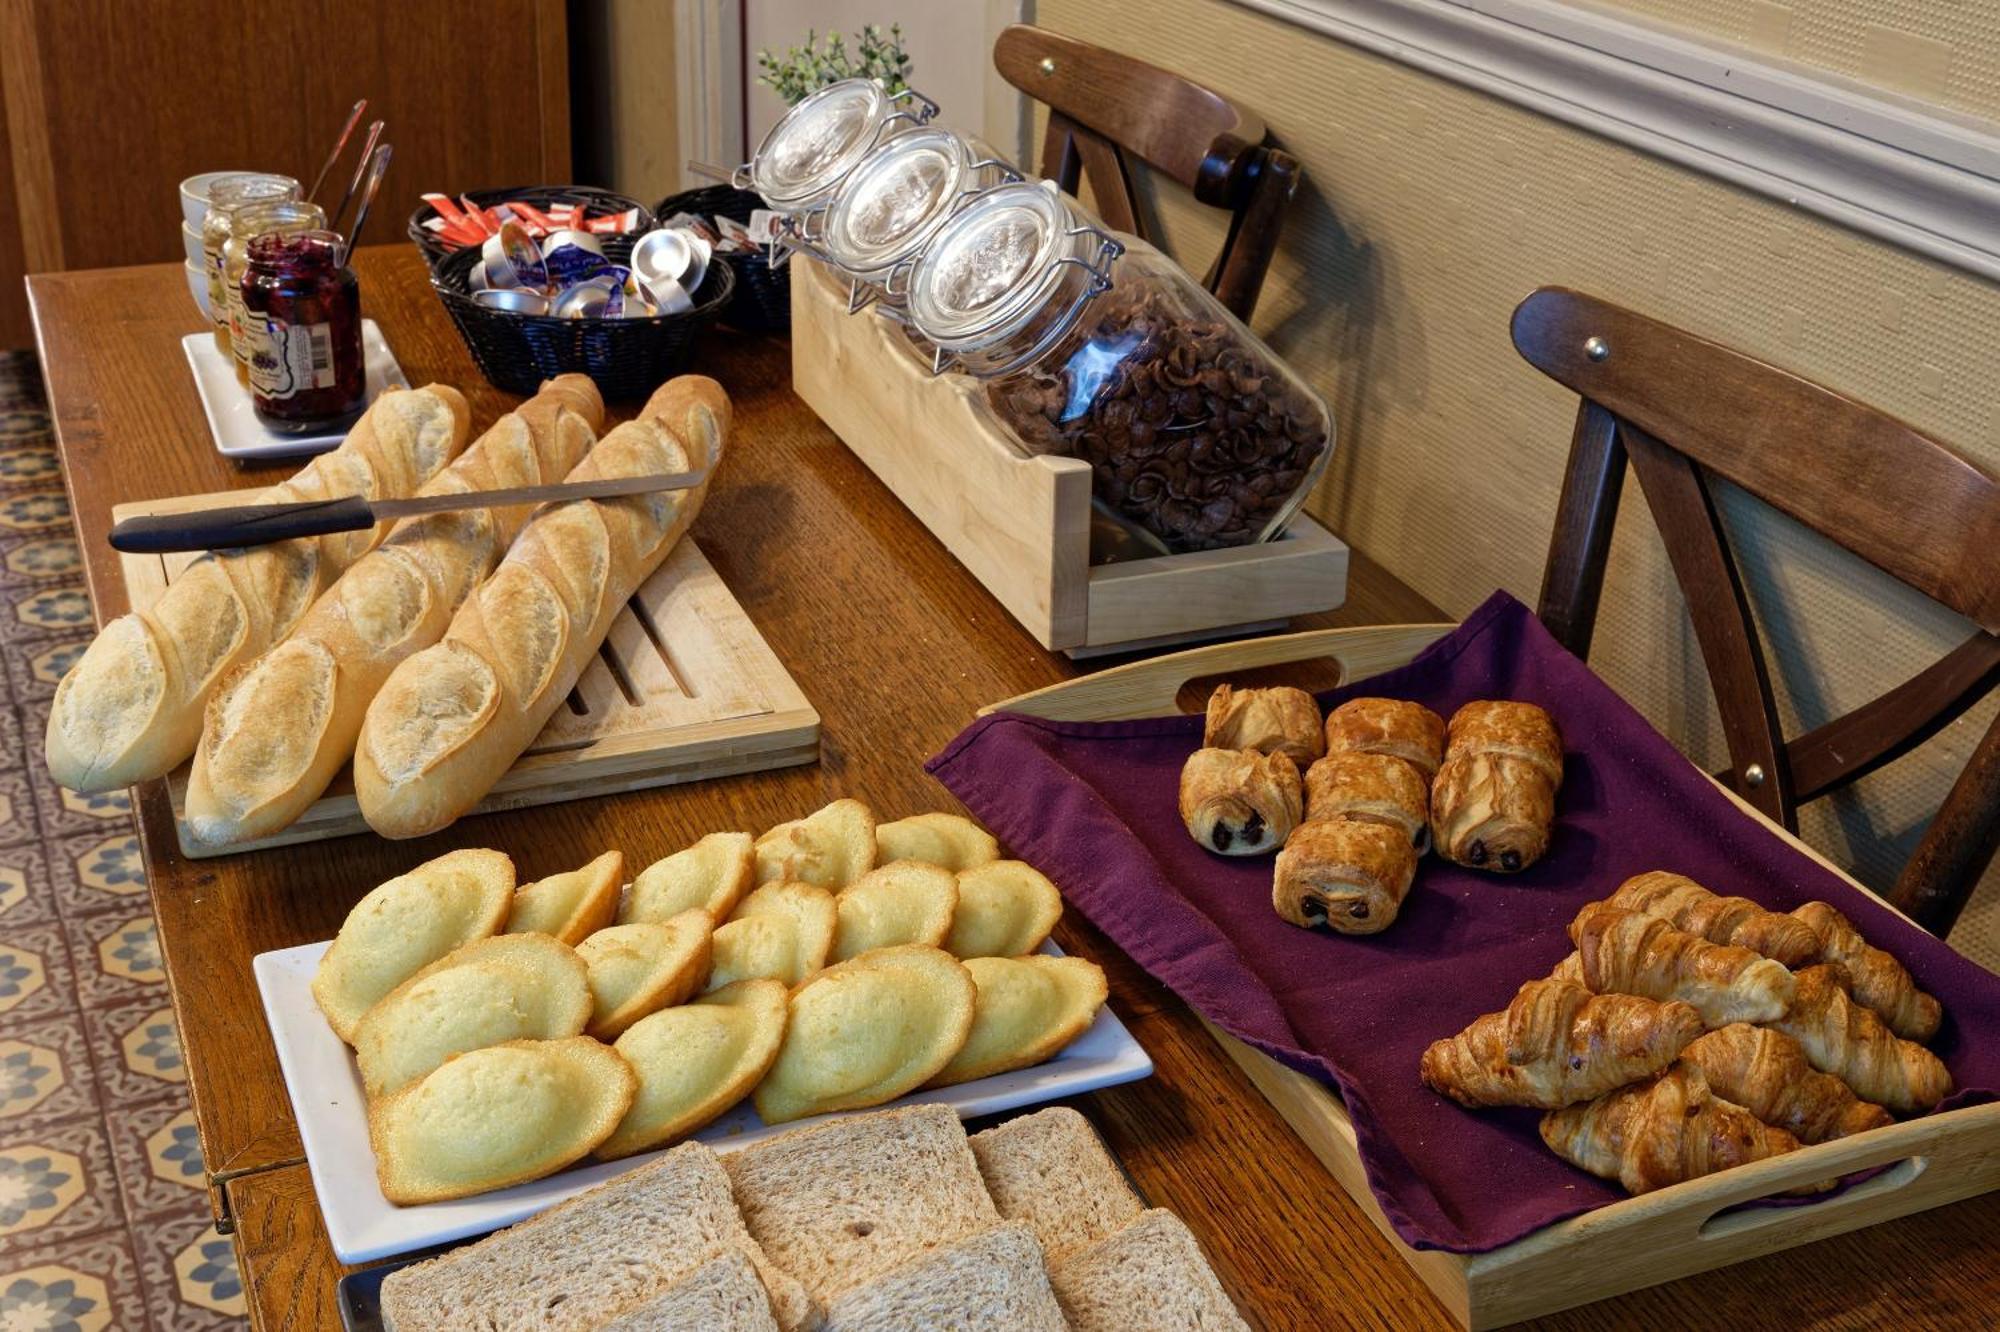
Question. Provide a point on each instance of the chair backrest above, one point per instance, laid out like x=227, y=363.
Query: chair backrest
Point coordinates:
x=1683, y=409
x=1105, y=108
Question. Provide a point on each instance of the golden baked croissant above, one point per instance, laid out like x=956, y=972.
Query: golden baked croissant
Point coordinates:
x=1879, y=980
x=1666, y=1131
x=1494, y=800
x=1370, y=788
x=1847, y=1040
x=1767, y=1073
x=1689, y=907
x=1625, y=952
x=1392, y=726
x=1347, y=875
x=1240, y=802
x=1556, y=1044
x=1271, y=721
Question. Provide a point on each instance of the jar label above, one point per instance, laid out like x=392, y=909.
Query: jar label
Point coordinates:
x=289, y=359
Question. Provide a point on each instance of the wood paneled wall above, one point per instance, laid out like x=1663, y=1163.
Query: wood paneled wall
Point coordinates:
x=111, y=103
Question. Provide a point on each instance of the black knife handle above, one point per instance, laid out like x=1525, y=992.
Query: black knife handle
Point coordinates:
x=239, y=525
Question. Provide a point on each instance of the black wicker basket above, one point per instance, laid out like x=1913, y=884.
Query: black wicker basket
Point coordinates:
x=628, y=358
x=596, y=202
x=763, y=301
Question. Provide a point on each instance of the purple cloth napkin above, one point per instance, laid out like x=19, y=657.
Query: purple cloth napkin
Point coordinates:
x=1094, y=805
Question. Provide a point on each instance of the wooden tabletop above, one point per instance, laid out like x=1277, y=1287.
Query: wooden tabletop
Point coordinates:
x=897, y=646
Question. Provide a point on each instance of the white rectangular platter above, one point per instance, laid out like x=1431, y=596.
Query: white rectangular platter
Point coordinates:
x=362, y=1225
x=233, y=421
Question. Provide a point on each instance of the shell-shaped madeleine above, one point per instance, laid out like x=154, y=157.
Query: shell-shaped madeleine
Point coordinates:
x=1005, y=908
x=405, y=925
x=570, y=906
x=908, y=902
x=1028, y=1009
x=865, y=1031
x=641, y=968
x=950, y=840
x=831, y=847
x=790, y=941
x=696, y=1060
x=497, y=1117
x=510, y=987
x=713, y=874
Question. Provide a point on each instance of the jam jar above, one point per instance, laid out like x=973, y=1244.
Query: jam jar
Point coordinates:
x=810, y=151
x=245, y=225
x=302, y=307
x=1093, y=344
x=225, y=197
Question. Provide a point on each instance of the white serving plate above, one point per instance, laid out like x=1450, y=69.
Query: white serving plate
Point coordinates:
x=233, y=421
x=362, y=1225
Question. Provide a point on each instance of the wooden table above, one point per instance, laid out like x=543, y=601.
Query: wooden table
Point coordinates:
x=896, y=645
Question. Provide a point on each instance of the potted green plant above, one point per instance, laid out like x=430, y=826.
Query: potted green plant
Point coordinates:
x=808, y=68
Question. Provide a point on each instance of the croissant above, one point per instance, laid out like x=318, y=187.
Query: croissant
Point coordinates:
x=1625, y=952
x=1556, y=1044
x=1370, y=788
x=1766, y=1072
x=1847, y=1040
x=1879, y=980
x=1392, y=726
x=1666, y=1131
x=1270, y=721
x=1688, y=906
x=1349, y=876
x=1240, y=802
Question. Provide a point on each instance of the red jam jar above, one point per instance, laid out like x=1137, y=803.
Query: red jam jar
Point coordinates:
x=303, y=309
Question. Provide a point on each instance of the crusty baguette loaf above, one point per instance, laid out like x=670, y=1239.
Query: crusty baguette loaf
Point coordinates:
x=279, y=729
x=131, y=707
x=452, y=719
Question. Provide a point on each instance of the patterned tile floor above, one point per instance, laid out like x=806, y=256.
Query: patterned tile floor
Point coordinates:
x=104, y=1222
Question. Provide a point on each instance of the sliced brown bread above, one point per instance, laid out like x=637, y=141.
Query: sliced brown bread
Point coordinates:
x=841, y=1203
x=722, y=1295
x=993, y=1281
x=1150, y=1274
x=1051, y=1171
x=583, y=1261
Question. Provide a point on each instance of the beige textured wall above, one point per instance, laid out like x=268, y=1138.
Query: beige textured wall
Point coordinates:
x=623, y=89
x=1944, y=52
x=1429, y=211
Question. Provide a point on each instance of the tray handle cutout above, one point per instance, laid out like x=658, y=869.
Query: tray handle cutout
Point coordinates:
x=1722, y=1224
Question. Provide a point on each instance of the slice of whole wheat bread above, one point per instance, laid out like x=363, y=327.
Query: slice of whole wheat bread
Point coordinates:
x=722, y=1295
x=993, y=1281
x=580, y=1262
x=843, y=1202
x=1050, y=1170
x=1149, y=1275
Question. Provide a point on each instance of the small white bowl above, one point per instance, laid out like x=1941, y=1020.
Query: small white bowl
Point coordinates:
x=194, y=196
x=197, y=277
x=191, y=244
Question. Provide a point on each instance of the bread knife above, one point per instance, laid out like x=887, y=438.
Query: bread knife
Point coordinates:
x=234, y=526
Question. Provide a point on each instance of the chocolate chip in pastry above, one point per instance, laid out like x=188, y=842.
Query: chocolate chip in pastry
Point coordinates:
x=1271, y=721
x=1492, y=812
x=1371, y=788
x=1240, y=802
x=1393, y=726
x=1346, y=875
x=1516, y=730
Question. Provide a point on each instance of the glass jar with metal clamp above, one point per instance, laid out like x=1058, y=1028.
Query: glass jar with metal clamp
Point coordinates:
x=811, y=150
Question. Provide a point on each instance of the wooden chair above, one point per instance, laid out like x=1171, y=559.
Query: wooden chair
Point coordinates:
x=1105, y=108
x=1683, y=409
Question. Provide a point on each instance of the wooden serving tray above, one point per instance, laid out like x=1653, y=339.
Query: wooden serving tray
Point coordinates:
x=1625, y=1245
x=683, y=688
x=1021, y=524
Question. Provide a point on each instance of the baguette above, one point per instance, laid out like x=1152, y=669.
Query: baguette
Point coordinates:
x=280, y=728
x=452, y=719
x=131, y=708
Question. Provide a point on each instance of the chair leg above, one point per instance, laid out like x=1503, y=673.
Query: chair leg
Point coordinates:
x=1958, y=846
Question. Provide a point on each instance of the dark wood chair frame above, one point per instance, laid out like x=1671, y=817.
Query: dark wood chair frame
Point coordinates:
x=1105, y=108
x=1682, y=409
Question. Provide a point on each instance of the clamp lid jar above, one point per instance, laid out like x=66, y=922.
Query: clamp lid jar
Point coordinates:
x=811, y=150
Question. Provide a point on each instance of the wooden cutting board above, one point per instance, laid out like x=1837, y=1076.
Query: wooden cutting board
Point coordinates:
x=683, y=688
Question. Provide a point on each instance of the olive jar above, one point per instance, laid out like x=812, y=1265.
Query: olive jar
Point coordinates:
x=1095, y=345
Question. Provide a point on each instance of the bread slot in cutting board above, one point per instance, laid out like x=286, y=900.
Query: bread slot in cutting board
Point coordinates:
x=683, y=688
